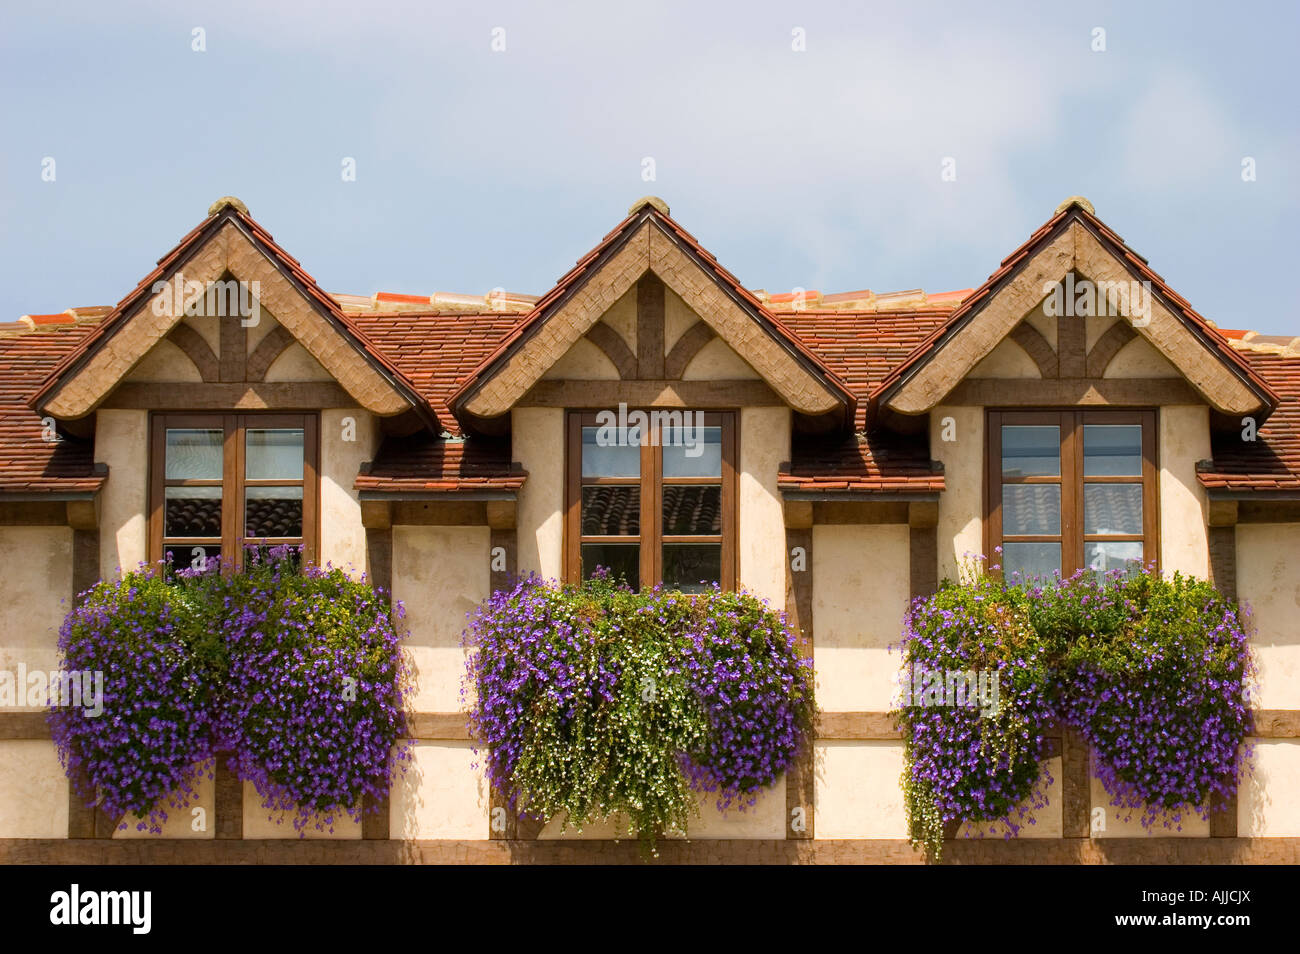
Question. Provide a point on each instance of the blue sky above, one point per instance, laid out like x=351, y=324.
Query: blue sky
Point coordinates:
x=818, y=168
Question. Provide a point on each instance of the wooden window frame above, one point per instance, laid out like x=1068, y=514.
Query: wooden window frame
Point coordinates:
x=1072, y=480
x=651, y=482
x=234, y=481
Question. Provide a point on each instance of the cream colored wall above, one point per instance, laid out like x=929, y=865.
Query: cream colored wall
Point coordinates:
x=197, y=820
x=342, y=536
x=261, y=823
x=860, y=592
x=582, y=362
x=295, y=363
x=717, y=362
x=961, y=526
x=1044, y=822
x=38, y=577
x=1184, y=507
x=1268, y=581
x=764, y=444
x=122, y=442
x=440, y=795
x=1140, y=359
x=1267, y=805
x=678, y=317
x=1007, y=360
x=440, y=574
x=622, y=318
x=165, y=362
x=857, y=792
x=33, y=790
x=537, y=442
x=1125, y=823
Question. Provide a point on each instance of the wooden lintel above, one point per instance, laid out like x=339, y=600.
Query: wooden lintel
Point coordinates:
x=500, y=514
x=377, y=514
x=83, y=514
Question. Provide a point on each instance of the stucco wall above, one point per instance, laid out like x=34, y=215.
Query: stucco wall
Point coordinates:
x=860, y=593
x=440, y=574
x=348, y=436
x=261, y=823
x=197, y=820
x=537, y=439
x=857, y=793
x=38, y=577
x=1184, y=540
x=122, y=442
x=1268, y=581
x=764, y=444
x=33, y=790
x=1268, y=805
x=961, y=525
x=440, y=795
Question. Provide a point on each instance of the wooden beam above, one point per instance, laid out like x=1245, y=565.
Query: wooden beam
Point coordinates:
x=615, y=348
x=503, y=554
x=1107, y=346
x=234, y=348
x=650, y=326
x=83, y=514
x=196, y=349
x=1036, y=346
x=686, y=348
x=268, y=349
x=248, y=396
x=1028, y=392
x=658, y=393
x=800, y=782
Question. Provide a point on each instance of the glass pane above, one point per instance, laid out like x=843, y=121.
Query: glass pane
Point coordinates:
x=1031, y=451
x=193, y=453
x=1113, y=555
x=1031, y=509
x=611, y=511
x=610, y=452
x=192, y=512
x=1112, y=508
x=692, y=451
x=1024, y=561
x=692, y=567
x=262, y=554
x=622, y=560
x=273, y=454
x=1112, y=450
x=692, y=511
x=272, y=512
x=184, y=556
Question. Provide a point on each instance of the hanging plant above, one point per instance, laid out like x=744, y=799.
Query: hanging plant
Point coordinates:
x=594, y=701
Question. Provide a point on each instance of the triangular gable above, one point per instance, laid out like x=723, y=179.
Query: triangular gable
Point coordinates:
x=648, y=240
x=1074, y=240
x=228, y=244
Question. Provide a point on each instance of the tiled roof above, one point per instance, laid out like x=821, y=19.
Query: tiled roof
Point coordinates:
x=1272, y=461
x=878, y=462
x=28, y=463
x=424, y=463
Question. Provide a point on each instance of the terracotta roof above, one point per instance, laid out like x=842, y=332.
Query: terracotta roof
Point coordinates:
x=424, y=463
x=1272, y=461
x=590, y=264
x=28, y=463
x=1071, y=211
x=878, y=462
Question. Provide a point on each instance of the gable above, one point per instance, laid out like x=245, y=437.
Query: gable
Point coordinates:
x=1021, y=304
x=649, y=300
x=282, y=325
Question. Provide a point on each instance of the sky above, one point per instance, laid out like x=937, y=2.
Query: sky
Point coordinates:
x=830, y=146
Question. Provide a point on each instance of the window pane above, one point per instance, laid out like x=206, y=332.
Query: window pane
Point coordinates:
x=1112, y=450
x=610, y=452
x=192, y=512
x=193, y=454
x=1031, y=509
x=692, y=511
x=273, y=454
x=692, y=451
x=1113, y=555
x=1031, y=451
x=1112, y=508
x=185, y=556
x=622, y=560
x=611, y=511
x=692, y=567
x=1024, y=561
x=273, y=512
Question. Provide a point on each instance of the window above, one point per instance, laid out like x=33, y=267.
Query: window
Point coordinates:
x=1071, y=489
x=221, y=482
x=652, y=498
